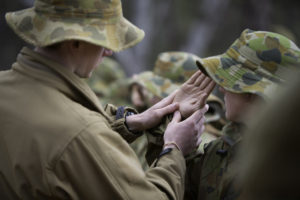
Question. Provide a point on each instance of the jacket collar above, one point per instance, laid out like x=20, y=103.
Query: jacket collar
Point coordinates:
x=48, y=71
x=232, y=133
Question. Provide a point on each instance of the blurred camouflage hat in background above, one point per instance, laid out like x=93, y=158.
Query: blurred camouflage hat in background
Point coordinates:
x=257, y=62
x=117, y=93
x=177, y=66
x=108, y=72
x=154, y=85
x=99, y=22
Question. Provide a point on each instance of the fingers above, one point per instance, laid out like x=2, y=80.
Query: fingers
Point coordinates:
x=194, y=77
x=195, y=117
x=205, y=83
x=199, y=113
x=202, y=99
x=200, y=129
x=199, y=126
x=166, y=101
x=204, y=109
x=176, y=117
x=199, y=80
x=168, y=109
x=171, y=96
x=209, y=88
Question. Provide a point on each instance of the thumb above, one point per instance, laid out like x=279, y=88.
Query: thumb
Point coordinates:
x=203, y=98
x=204, y=109
x=168, y=109
x=176, y=117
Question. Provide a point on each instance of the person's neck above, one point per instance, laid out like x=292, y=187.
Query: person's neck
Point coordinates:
x=56, y=55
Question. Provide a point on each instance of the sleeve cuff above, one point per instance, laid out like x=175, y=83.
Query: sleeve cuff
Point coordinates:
x=120, y=127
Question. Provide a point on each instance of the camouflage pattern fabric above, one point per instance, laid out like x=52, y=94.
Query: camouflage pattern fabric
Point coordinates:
x=257, y=62
x=209, y=176
x=108, y=72
x=175, y=65
x=99, y=22
x=179, y=67
x=118, y=93
x=157, y=86
x=154, y=85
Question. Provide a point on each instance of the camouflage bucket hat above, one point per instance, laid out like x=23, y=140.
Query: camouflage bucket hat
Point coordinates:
x=99, y=22
x=108, y=72
x=155, y=85
x=177, y=66
x=257, y=62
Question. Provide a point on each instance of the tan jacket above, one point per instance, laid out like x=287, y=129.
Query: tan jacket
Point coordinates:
x=57, y=142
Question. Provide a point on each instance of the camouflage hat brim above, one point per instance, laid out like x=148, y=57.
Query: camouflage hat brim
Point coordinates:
x=155, y=85
x=230, y=74
x=42, y=30
x=175, y=65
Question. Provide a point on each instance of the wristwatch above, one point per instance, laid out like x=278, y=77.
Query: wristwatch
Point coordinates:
x=123, y=113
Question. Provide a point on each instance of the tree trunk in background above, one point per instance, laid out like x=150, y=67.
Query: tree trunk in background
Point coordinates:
x=144, y=14
x=132, y=59
x=203, y=30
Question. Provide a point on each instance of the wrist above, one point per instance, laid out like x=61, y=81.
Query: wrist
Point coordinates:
x=133, y=123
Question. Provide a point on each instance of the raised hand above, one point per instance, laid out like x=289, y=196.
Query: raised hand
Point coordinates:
x=193, y=93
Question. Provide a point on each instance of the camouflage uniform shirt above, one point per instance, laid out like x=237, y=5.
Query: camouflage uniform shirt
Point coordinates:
x=209, y=176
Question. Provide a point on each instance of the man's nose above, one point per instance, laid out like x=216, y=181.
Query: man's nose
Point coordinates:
x=108, y=52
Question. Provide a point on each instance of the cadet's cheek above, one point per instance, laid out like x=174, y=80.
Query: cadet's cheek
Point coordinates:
x=99, y=56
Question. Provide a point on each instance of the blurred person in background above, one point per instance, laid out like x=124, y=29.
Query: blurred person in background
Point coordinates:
x=57, y=142
x=249, y=73
x=110, y=84
x=268, y=161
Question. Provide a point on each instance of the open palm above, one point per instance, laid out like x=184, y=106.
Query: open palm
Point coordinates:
x=193, y=93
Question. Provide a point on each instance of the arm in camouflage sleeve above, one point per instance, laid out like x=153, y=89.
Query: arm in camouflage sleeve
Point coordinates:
x=117, y=121
x=127, y=126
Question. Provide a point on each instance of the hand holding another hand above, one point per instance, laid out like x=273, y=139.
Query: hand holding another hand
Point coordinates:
x=153, y=116
x=185, y=134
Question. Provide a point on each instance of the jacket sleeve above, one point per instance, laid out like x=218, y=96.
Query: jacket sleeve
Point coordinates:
x=99, y=164
x=118, y=123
